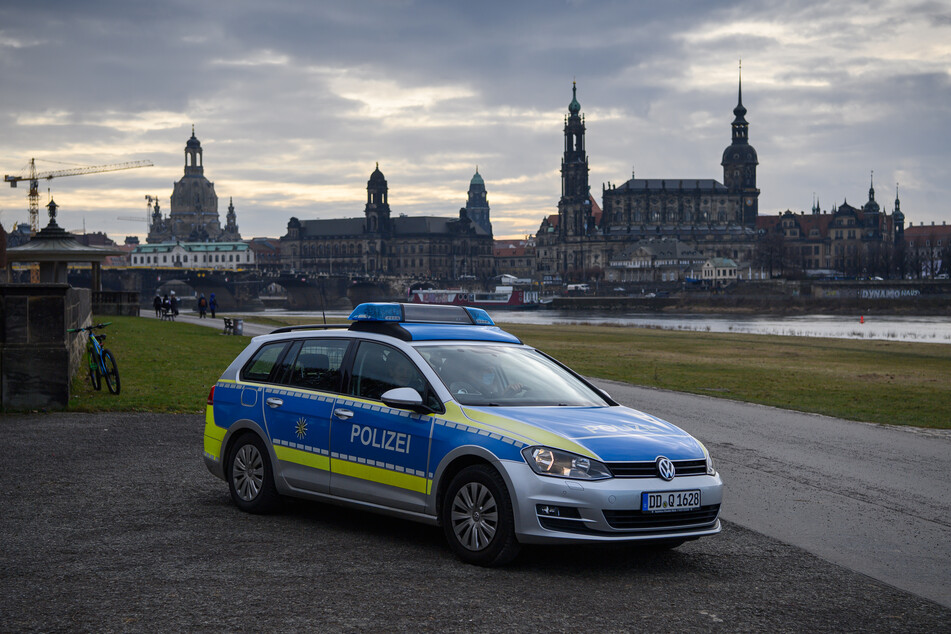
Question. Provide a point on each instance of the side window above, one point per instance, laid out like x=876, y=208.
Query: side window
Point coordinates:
x=317, y=366
x=260, y=366
x=378, y=368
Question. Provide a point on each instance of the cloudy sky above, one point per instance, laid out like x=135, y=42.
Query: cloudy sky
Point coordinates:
x=295, y=102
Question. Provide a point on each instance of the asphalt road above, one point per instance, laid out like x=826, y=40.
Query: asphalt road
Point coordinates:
x=874, y=498
x=111, y=522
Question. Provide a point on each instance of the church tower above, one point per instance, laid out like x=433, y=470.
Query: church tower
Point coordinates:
x=477, y=204
x=378, y=208
x=194, y=214
x=739, y=164
x=898, y=218
x=574, y=208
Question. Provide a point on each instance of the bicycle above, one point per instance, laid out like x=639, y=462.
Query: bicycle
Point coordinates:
x=101, y=362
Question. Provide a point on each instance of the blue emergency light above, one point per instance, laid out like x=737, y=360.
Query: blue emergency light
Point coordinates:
x=420, y=314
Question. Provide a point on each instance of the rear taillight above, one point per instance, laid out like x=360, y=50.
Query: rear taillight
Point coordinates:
x=211, y=395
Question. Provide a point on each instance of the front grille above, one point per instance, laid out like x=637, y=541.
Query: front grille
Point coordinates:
x=636, y=519
x=649, y=469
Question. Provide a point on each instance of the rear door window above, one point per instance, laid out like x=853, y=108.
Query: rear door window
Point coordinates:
x=318, y=363
x=261, y=365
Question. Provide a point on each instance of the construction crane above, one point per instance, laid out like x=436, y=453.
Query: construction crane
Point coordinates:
x=34, y=178
x=148, y=213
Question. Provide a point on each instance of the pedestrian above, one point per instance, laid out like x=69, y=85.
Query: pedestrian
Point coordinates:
x=202, y=306
x=212, y=305
x=174, y=303
x=166, y=303
x=157, y=305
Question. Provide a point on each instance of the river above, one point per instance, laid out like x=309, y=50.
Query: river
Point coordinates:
x=931, y=329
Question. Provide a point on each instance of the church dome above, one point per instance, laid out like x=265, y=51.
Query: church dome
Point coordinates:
x=477, y=179
x=740, y=155
x=574, y=107
x=377, y=175
x=193, y=142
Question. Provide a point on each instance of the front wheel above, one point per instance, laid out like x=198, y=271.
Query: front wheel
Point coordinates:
x=477, y=517
x=112, y=372
x=250, y=478
x=95, y=376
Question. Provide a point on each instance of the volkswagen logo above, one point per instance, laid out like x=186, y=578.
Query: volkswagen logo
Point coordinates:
x=665, y=468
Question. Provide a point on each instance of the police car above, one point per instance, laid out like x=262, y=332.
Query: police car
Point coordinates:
x=434, y=414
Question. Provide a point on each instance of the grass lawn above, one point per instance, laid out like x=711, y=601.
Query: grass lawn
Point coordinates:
x=163, y=366
x=170, y=366
x=876, y=381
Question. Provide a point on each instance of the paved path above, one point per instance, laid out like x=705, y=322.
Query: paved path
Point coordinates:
x=874, y=498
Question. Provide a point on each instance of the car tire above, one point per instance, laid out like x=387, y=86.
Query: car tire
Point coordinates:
x=250, y=478
x=477, y=517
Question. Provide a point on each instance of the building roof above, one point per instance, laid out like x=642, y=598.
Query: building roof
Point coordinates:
x=707, y=185
x=191, y=247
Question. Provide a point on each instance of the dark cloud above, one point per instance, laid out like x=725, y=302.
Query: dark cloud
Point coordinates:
x=295, y=102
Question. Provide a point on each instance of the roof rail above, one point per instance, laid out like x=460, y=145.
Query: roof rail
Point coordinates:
x=308, y=327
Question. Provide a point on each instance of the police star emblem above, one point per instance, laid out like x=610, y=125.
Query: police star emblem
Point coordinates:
x=301, y=427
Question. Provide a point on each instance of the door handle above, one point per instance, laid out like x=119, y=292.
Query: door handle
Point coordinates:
x=274, y=402
x=343, y=414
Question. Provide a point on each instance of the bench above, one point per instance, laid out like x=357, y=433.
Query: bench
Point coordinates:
x=229, y=326
x=168, y=314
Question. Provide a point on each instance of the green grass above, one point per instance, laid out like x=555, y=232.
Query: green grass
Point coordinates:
x=169, y=367
x=164, y=366
x=876, y=381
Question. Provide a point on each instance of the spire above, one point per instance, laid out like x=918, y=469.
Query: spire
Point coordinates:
x=871, y=186
x=574, y=107
x=740, y=111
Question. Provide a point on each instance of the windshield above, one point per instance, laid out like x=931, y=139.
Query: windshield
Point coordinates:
x=506, y=376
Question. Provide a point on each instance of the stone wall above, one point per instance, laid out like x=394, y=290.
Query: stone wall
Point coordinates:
x=38, y=358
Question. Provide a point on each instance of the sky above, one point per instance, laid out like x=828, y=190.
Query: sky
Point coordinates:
x=295, y=103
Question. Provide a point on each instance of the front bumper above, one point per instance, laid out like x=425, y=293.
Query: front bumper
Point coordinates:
x=607, y=510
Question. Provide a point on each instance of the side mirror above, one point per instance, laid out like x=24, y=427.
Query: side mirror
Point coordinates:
x=405, y=398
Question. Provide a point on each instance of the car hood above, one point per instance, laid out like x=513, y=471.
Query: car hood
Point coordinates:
x=613, y=434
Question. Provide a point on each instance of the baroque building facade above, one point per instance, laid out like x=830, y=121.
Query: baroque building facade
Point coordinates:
x=380, y=244
x=194, y=209
x=715, y=219
x=849, y=240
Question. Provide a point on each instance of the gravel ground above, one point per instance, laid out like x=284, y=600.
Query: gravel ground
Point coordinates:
x=110, y=522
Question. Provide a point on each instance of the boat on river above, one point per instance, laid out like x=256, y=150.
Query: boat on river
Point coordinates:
x=503, y=297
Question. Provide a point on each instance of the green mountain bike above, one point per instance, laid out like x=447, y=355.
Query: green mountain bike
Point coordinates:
x=101, y=362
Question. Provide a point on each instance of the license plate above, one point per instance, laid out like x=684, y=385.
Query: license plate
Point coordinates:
x=670, y=501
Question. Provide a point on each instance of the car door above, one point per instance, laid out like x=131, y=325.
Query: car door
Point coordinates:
x=379, y=454
x=298, y=411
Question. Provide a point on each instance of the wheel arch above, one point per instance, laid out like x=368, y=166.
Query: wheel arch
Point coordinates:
x=459, y=459
x=236, y=431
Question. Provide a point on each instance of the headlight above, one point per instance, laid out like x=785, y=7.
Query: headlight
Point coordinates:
x=561, y=464
x=711, y=470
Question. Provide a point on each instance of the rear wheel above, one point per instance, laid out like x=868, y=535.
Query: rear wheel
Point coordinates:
x=112, y=372
x=95, y=377
x=477, y=517
x=250, y=478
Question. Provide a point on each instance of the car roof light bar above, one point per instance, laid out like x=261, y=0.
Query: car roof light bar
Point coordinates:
x=420, y=314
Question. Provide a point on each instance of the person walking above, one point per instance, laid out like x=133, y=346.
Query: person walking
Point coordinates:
x=212, y=305
x=157, y=305
x=202, y=306
x=174, y=303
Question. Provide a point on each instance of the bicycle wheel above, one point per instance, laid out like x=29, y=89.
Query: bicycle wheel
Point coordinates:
x=112, y=372
x=95, y=376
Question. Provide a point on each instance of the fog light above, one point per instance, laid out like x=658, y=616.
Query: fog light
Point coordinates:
x=548, y=511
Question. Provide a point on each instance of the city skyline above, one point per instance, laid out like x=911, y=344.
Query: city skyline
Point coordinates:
x=295, y=103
